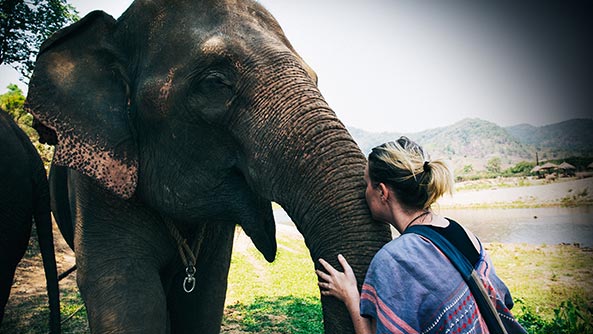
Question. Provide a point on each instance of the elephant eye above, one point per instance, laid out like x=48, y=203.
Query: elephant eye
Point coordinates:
x=217, y=79
x=215, y=85
x=210, y=95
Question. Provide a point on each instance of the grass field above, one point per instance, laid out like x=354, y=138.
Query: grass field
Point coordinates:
x=553, y=287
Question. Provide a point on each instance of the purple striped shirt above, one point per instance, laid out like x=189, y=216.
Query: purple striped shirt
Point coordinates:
x=411, y=287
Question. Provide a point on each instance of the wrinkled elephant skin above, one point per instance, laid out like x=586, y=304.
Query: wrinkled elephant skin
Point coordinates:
x=195, y=114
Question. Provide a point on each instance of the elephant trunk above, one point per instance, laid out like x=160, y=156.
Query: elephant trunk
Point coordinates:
x=302, y=157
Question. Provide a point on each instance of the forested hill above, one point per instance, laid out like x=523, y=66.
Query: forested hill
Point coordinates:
x=573, y=136
x=476, y=139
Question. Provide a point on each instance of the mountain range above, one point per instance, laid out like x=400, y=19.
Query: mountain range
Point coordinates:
x=475, y=141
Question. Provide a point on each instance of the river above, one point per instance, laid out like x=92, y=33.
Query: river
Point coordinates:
x=532, y=225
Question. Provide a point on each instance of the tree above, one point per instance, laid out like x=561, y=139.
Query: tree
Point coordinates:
x=493, y=165
x=523, y=167
x=13, y=101
x=25, y=24
x=468, y=169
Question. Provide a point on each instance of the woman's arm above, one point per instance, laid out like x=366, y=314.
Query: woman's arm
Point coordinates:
x=342, y=285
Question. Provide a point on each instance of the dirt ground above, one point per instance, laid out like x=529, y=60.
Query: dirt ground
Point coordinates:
x=29, y=282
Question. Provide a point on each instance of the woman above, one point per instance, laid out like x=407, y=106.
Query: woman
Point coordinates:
x=410, y=286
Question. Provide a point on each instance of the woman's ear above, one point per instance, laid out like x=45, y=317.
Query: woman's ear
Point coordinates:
x=77, y=91
x=384, y=191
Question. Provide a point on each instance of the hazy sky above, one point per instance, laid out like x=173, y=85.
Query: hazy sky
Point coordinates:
x=407, y=66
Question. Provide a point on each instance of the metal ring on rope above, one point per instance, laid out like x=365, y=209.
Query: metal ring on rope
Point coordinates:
x=189, y=280
x=187, y=254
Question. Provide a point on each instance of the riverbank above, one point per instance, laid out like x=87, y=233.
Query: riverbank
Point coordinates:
x=514, y=193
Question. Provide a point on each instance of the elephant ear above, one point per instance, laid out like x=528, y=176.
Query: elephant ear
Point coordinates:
x=77, y=91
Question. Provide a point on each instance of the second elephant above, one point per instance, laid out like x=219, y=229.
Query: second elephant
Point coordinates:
x=24, y=199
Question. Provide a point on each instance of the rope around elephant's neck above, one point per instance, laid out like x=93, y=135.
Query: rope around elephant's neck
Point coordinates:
x=187, y=254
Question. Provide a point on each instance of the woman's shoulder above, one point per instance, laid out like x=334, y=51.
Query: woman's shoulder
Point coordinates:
x=405, y=248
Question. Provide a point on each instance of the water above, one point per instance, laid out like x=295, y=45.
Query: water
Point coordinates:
x=533, y=226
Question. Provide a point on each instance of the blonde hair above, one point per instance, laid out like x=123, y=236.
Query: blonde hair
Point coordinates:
x=404, y=166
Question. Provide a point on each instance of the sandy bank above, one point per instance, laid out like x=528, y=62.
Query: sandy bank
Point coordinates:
x=556, y=193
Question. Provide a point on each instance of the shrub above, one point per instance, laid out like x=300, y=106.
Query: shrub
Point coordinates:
x=569, y=317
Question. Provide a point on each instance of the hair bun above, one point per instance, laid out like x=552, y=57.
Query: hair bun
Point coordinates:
x=426, y=166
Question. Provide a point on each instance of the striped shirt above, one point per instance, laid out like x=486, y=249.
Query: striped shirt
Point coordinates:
x=411, y=287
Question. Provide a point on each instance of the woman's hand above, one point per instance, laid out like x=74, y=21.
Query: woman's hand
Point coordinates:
x=341, y=285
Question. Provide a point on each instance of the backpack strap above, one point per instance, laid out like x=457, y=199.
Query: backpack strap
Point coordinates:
x=462, y=264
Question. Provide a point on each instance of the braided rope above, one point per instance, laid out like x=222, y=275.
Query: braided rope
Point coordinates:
x=187, y=254
x=184, y=250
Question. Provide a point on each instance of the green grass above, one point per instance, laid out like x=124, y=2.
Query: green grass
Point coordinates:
x=552, y=287
x=286, y=314
x=543, y=276
x=278, y=297
x=72, y=307
x=569, y=317
x=251, y=275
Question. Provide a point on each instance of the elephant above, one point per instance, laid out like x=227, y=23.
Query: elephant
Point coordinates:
x=24, y=198
x=173, y=124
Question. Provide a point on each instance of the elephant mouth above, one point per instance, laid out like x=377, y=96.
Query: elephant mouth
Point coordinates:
x=239, y=204
x=254, y=213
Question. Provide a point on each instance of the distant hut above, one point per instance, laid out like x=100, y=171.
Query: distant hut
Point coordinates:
x=548, y=166
x=548, y=170
x=536, y=170
x=567, y=169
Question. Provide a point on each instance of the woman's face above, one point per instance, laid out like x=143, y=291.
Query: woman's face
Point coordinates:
x=373, y=197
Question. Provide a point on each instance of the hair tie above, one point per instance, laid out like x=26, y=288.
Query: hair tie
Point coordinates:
x=425, y=167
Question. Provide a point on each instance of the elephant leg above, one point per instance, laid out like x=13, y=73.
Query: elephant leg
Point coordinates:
x=14, y=237
x=122, y=290
x=120, y=284
x=206, y=303
x=7, y=269
x=131, y=300
x=58, y=187
x=120, y=251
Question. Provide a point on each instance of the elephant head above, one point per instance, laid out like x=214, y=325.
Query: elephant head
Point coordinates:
x=202, y=109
